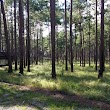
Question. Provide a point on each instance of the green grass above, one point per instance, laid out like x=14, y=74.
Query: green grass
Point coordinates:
x=83, y=81
x=10, y=97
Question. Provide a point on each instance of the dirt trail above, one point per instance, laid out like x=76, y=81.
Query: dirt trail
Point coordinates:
x=59, y=95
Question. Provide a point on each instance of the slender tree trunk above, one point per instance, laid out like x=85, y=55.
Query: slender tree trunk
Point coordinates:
x=109, y=48
x=28, y=38
x=75, y=46
x=0, y=30
x=21, y=35
x=15, y=35
x=37, y=48
x=26, y=52
x=96, y=59
x=34, y=45
x=41, y=36
x=23, y=40
x=42, y=49
x=57, y=53
x=89, y=43
x=7, y=38
x=52, y=15
x=49, y=42
x=106, y=51
x=71, y=35
x=12, y=39
x=94, y=54
x=66, y=54
x=83, y=51
x=101, y=58
x=0, y=27
x=80, y=29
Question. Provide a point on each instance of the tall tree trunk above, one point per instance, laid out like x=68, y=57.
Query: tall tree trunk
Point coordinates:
x=57, y=53
x=37, y=48
x=66, y=54
x=34, y=44
x=71, y=35
x=24, y=47
x=23, y=39
x=41, y=36
x=101, y=58
x=26, y=52
x=15, y=35
x=96, y=58
x=109, y=48
x=0, y=27
x=49, y=39
x=80, y=29
x=21, y=35
x=12, y=39
x=89, y=42
x=7, y=38
x=28, y=37
x=82, y=53
x=52, y=15
x=83, y=50
x=94, y=54
x=75, y=48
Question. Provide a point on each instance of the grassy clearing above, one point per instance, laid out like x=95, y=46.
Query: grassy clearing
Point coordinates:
x=83, y=81
x=23, y=100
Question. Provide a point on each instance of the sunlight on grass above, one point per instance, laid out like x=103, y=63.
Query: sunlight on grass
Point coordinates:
x=83, y=81
x=24, y=100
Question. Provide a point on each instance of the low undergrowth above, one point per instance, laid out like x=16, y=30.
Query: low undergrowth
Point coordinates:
x=83, y=81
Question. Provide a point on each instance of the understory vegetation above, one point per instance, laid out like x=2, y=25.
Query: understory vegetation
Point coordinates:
x=82, y=82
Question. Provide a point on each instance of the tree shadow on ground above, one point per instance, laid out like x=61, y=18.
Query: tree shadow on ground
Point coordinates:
x=86, y=84
x=10, y=97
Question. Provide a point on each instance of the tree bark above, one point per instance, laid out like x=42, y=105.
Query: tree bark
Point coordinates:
x=28, y=38
x=101, y=57
x=96, y=58
x=12, y=39
x=15, y=35
x=21, y=35
x=0, y=27
x=71, y=39
x=80, y=29
x=52, y=16
x=109, y=48
x=66, y=54
x=7, y=38
x=89, y=43
x=37, y=49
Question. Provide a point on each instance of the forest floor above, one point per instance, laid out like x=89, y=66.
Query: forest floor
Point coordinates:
x=80, y=90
